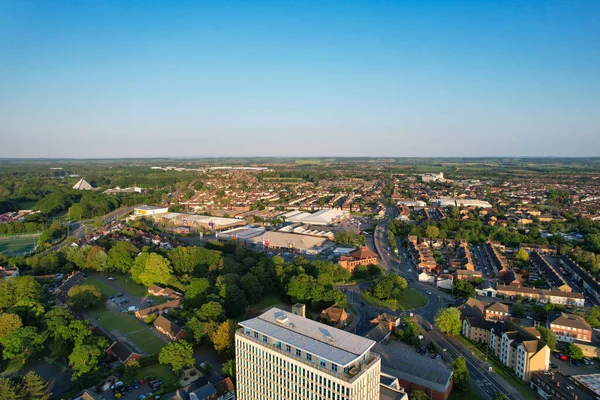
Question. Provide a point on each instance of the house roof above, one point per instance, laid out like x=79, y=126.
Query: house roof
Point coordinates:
x=121, y=351
x=363, y=253
x=498, y=307
x=167, y=326
x=571, y=320
x=159, y=307
x=472, y=308
x=334, y=313
x=224, y=386
x=82, y=185
x=203, y=392
x=480, y=323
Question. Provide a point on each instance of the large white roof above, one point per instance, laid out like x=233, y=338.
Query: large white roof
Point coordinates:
x=322, y=340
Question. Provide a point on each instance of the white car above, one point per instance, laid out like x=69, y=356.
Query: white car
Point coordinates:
x=428, y=292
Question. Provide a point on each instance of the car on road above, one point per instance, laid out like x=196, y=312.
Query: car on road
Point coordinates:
x=564, y=357
x=552, y=365
x=428, y=292
x=110, y=278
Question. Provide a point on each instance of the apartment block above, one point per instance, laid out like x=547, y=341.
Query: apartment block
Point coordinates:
x=570, y=327
x=281, y=355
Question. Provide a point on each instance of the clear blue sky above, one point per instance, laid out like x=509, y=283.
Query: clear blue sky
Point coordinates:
x=299, y=78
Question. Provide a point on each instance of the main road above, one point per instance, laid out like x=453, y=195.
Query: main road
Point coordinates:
x=485, y=382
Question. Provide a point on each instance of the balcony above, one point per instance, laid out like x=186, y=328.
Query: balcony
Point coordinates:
x=349, y=377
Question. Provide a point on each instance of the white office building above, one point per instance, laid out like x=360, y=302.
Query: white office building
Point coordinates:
x=281, y=355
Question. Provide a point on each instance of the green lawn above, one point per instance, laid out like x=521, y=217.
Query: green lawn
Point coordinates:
x=127, y=284
x=410, y=299
x=15, y=246
x=162, y=372
x=123, y=322
x=104, y=288
x=147, y=341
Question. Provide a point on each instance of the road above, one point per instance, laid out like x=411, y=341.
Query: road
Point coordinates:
x=485, y=383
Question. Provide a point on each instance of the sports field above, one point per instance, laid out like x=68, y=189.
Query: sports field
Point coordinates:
x=16, y=245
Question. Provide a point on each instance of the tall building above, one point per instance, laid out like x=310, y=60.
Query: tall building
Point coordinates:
x=281, y=355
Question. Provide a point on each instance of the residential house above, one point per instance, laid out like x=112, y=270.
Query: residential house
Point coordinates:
x=159, y=308
x=472, y=308
x=335, y=315
x=466, y=274
x=543, y=295
x=497, y=312
x=570, y=328
x=444, y=281
x=123, y=352
x=8, y=272
x=486, y=289
x=169, y=293
x=225, y=389
x=168, y=328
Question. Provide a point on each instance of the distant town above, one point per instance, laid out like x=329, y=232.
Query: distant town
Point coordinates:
x=315, y=279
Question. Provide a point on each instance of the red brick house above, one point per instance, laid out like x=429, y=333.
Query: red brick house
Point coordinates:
x=168, y=328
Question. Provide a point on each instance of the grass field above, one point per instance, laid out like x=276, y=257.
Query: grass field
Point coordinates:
x=267, y=302
x=123, y=322
x=162, y=372
x=14, y=246
x=27, y=205
x=147, y=341
x=466, y=395
x=127, y=284
x=409, y=300
x=104, y=288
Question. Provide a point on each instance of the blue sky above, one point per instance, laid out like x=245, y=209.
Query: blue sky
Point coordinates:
x=299, y=78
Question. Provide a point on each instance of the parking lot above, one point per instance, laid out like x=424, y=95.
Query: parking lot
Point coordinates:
x=574, y=367
x=135, y=391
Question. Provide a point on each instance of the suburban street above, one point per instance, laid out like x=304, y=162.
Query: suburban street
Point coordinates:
x=486, y=383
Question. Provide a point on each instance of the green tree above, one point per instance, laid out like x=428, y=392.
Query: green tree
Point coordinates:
x=120, y=256
x=229, y=369
x=447, y=320
x=222, y=338
x=573, y=351
x=178, y=355
x=548, y=336
x=518, y=310
x=522, y=256
x=211, y=311
x=130, y=369
x=412, y=329
x=593, y=317
x=252, y=288
x=196, y=329
x=196, y=291
x=149, y=268
x=9, y=390
x=85, y=297
x=86, y=357
x=25, y=340
x=432, y=231
x=96, y=259
x=418, y=395
x=8, y=323
x=500, y=396
x=33, y=387
x=462, y=381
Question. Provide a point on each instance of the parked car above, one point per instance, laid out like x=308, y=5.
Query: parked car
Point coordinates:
x=552, y=365
x=575, y=363
x=564, y=357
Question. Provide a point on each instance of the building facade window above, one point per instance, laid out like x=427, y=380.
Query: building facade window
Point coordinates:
x=309, y=357
x=298, y=352
x=288, y=348
x=334, y=367
x=264, y=338
x=322, y=363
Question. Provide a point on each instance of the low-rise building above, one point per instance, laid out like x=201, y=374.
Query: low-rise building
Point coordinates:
x=168, y=328
x=543, y=296
x=123, y=352
x=363, y=256
x=570, y=327
x=159, y=308
x=556, y=386
x=335, y=315
x=497, y=312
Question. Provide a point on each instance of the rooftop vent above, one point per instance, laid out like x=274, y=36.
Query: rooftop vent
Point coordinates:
x=282, y=318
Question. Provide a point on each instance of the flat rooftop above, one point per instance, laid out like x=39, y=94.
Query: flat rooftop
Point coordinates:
x=322, y=340
x=401, y=360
